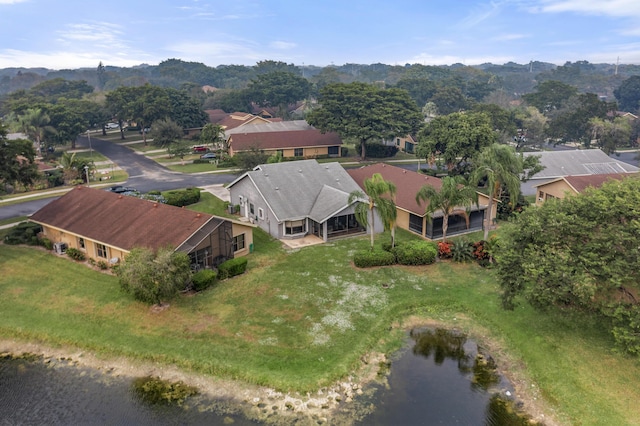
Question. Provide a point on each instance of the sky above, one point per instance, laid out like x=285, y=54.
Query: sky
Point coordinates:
x=70, y=34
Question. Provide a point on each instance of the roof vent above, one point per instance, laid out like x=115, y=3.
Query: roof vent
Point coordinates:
x=404, y=171
x=198, y=215
x=120, y=197
x=155, y=204
x=299, y=170
x=277, y=188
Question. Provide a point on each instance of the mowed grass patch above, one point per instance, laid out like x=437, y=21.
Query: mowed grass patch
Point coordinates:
x=302, y=319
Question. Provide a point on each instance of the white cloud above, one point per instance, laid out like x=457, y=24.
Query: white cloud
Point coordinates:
x=91, y=36
x=62, y=60
x=282, y=45
x=616, y=8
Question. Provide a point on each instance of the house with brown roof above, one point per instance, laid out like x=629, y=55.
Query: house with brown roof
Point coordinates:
x=289, y=138
x=232, y=120
x=411, y=215
x=573, y=185
x=107, y=226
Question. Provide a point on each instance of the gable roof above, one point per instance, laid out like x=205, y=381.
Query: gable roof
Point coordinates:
x=283, y=139
x=407, y=182
x=578, y=163
x=122, y=221
x=232, y=120
x=299, y=189
x=274, y=126
x=580, y=183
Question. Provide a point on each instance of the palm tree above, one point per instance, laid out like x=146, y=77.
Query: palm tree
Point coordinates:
x=454, y=197
x=378, y=194
x=35, y=124
x=70, y=165
x=502, y=167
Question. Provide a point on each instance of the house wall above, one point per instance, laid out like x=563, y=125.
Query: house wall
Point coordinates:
x=250, y=194
x=90, y=249
x=239, y=229
x=307, y=152
x=558, y=189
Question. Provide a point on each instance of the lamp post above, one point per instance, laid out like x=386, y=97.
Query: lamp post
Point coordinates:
x=89, y=137
x=86, y=172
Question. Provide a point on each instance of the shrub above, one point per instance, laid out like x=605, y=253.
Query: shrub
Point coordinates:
x=103, y=265
x=75, y=254
x=416, y=253
x=232, y=267
x=462, y=251
x=24, y=233
x=369, y=258
x=46, y=243
x=444, y=249
x=184, y=197
x=344, y=151
x=481, y=252
x=201, y=161
x=203, y=279
x=377, y=150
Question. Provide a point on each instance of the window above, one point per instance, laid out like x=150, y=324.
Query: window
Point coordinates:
x=333, y=150
x=81, y=245
x=397, y=141
x=415, y=223
x=298, y=152
x=260, y=213
x=238, y=242
x=252, y=209
x=101, y=251
x=294, y=227
x=241, y=200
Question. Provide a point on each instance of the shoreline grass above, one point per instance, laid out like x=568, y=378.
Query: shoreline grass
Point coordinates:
x=302, y=320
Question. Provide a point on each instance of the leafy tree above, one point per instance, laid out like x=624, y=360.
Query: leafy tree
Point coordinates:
x=154, y=277
x=71, y=118
x=213, y=134
x=269, y=66
x=278, y=89
x=51, y=91
x=185, y=110
x=534, y=127
x=610, y=134
x=378, y=194
x=450, y=99
x=166, y=132
x=550, y=95
x=628, y=94
x=420, y=89
x=179, y=149
x=35, y=124
x=502, y=119
x=578, y=253
x=455, y=138
x=501, y=166
x=248, y=160
x=17, y=161
x=364, y=112
x=571, y=122
x=454, y=197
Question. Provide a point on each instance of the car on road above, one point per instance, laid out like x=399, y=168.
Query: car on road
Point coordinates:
x=145, y=130
x=111, y=126
x=119, y=189
x=208, y=155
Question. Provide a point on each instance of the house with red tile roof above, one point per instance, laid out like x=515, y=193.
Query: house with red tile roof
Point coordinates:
x=411, y=215
x=572, y=185
x=107, y=226
x=289, y=138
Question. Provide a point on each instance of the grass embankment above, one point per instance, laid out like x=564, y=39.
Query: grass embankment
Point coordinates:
x=302, y=320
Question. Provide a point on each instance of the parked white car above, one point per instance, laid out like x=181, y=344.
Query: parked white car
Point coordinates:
x=111, y=126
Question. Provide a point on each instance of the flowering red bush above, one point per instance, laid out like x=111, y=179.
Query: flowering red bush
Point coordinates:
x=444, y=250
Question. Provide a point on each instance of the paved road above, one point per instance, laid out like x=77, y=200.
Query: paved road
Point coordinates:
x=144, y=174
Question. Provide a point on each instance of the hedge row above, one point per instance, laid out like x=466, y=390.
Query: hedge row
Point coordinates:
x=203, y=279
x=232, y=267
x=182, y=197
x=406, y=253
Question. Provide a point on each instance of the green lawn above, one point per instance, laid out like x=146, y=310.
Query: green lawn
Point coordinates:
x=301, y=320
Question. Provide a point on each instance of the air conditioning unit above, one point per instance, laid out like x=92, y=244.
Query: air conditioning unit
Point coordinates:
x=60, y=248
x=114, y=260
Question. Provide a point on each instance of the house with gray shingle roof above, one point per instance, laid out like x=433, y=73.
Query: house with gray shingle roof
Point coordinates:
x=298, y=198
x=579, y=162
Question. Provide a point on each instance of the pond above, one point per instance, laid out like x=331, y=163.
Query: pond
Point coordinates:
x=439, y=377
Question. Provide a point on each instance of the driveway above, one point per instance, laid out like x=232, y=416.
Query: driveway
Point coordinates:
x=144, y=174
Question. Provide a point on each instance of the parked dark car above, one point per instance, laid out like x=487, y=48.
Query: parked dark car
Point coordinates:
x=119, y=189
x=208, y=155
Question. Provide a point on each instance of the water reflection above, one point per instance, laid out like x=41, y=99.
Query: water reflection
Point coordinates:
x=33, y=392
x=443, y=378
